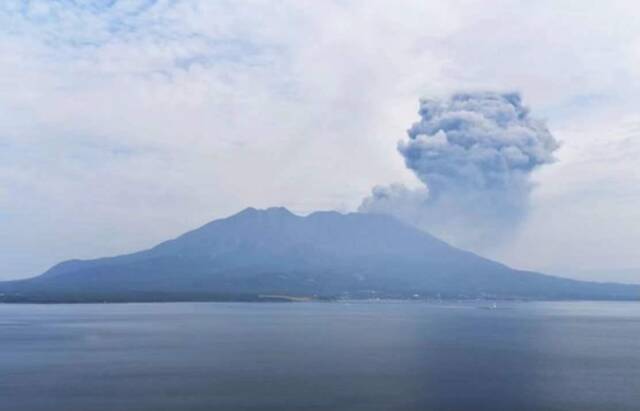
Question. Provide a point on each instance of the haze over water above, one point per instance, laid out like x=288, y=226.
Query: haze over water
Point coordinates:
x=334, y=356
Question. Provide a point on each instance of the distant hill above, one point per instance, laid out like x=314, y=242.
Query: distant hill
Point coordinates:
x=273, y=254
x=629, y=275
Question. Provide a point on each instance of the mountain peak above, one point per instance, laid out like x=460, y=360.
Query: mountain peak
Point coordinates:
x=268, y=211
x=273, y=251
x=278, y=211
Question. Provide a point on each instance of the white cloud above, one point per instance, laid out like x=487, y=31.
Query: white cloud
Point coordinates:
x=124, y=125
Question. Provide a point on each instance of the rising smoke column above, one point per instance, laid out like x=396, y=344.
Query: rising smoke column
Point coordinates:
x=474, y=152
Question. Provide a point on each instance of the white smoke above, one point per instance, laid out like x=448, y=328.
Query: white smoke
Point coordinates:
x=474, y=152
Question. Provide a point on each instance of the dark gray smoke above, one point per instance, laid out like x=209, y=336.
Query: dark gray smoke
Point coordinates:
x=474, y=152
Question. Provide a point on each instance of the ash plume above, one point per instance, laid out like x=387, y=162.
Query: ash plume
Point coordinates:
x=474, y=153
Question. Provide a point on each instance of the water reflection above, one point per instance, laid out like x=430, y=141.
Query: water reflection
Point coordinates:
x=358, y=356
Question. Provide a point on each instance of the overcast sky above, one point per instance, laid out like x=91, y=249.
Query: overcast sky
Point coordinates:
x=125, y=123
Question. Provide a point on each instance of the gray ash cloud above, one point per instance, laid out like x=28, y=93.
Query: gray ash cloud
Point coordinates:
x=475, y=153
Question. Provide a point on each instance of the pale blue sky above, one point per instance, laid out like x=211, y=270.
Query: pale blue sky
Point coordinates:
x=128, y=122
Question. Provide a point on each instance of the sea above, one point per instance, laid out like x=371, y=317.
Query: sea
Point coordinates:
x=351, y=355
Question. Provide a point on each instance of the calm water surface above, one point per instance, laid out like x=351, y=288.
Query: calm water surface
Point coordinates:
x=320, y=356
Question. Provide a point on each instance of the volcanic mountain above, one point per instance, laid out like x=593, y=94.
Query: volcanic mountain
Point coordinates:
x=272, y=253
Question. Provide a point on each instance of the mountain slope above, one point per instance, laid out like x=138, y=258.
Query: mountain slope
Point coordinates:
x=273, y=251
